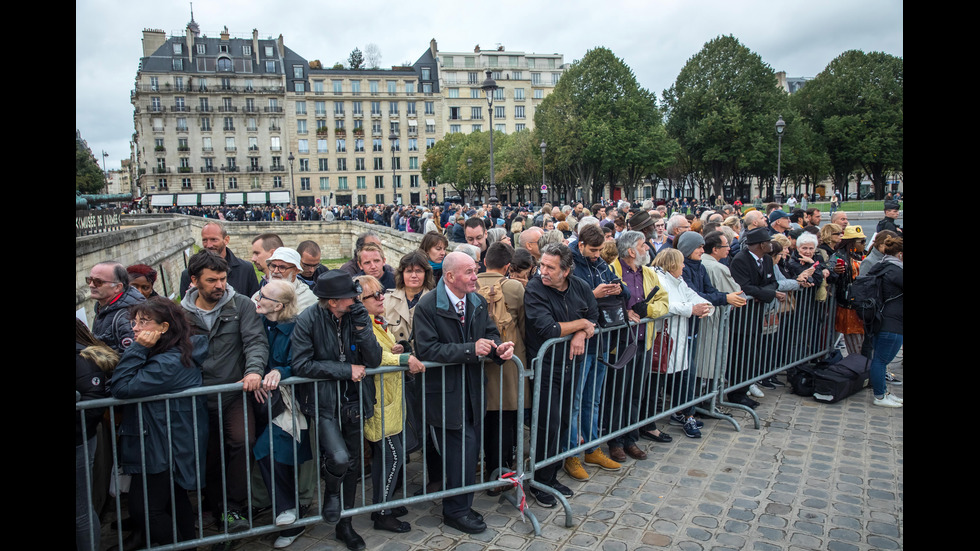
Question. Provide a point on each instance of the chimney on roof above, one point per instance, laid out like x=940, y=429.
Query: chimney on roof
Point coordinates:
x=476, y=50
x=282, y=49
x=224, y=33
x=433, y=48
x=255, y=45
x=152, y=40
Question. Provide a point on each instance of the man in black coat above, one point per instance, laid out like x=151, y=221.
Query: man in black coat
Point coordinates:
x=889, y=221
x=334, y=341
x=556, y=304
x=752, y=268
x=452, y=326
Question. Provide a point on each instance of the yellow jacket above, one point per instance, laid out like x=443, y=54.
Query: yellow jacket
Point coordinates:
x=655, y=308
x=391, y=402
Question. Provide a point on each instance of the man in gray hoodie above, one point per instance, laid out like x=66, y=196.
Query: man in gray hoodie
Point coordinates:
x=238, y=351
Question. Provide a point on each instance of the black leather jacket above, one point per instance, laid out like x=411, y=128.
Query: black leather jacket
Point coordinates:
x=317, y=344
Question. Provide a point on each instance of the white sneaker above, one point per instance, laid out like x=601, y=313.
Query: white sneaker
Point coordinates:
x=756, y=391
x=286, y=541
x=286, y=518
x=887, y=402
x=894, y=398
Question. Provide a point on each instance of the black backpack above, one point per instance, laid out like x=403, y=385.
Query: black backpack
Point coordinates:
x=865, y=296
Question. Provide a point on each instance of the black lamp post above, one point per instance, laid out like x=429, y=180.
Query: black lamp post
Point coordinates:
x=780, y=127
x=292, y=184
x=490, y=87
x=544, y=185
x=469, y=174
x=393, y=138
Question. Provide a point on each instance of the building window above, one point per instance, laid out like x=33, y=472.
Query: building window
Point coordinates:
x=185, y=183
x=325, y=183
x=454, y=113
x=341, y=146
x=476, y=93
x=209, y=183
x=476, y=112
x=426, y=88
x=202, y=49
x=413, y=180
x=519, y=112
x=379, y=182
x=476, y=128
x=304, y=165
x=323, y=165
x=341, y=164
x=178, y=48
x=338, y=108
x=342, y=183
x=413, y=144
x=455, y=129
x=536, y=78
x=426, y=73
x=538, y=94
x=359, y=163
x=499, y=112
x=359, y=146
x=355, y=87
x=321, y=146
x=502, y=128
x=162, y=183
x=297, y=71
x=318, y=86
x=277, y=182
x=375, y=107
x=518, y=127
x=373, y=86
x=453, y=93
x=393, y=108
x=300, y=107
x=392, y=87
x=233, y=182
x=361, y=182
x=379, y=163
x=413, y=163
x=357, y=108
x=409, y=87
x=430, y=143
x=379, y=198
x=304, y=146
x=304, y=184
x=519, y=94
x=376, y=145
x=430, y=128
x=301, y=126
x=270, y=66
x=246, y=50
x=430, y=108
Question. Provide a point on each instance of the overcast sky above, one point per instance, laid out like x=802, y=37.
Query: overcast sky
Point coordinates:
x=654, y=37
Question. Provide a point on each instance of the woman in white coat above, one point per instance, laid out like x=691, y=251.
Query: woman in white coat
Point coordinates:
x=683, y=304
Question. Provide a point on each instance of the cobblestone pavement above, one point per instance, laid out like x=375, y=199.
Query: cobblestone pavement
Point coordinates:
x=813, y=477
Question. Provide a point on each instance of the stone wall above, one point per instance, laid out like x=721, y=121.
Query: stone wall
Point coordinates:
x=165, y=241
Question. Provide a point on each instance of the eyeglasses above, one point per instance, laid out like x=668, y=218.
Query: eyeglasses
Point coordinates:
x=141, y=322
x=98, y=282
x=309, y=266
x=278, y=267
x=378, y=295
x=261, y=296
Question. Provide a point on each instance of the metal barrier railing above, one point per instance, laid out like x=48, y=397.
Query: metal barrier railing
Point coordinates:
x=688, y=368
x=576, y=406
x=170, y=503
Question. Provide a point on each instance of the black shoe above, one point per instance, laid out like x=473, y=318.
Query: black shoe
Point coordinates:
x=391, y=524
x=478, y=516
x=664, y=437
x=346, y=534
x=543, y=498
x=331, y=508
x=131, y=542
x=767, y=384
x=467, y=523
x=562, y=489
x=776, y=381
x=395, y=512
x=741, y=398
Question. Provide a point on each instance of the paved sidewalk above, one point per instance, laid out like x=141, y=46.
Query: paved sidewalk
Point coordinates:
x=813, y=477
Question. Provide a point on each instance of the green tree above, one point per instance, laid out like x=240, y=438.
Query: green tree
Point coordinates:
x=356, y=59
x=600, y=125
x=856, y=105
x=722, y=108
x=89, y=178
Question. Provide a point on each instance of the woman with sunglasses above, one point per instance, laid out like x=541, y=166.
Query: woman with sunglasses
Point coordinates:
x=283, y=423
x=171, y=433
x=384, y=428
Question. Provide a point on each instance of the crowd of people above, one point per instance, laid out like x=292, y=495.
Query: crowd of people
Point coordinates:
x=514, y=279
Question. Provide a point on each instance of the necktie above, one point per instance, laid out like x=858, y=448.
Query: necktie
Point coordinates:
x=461, y=312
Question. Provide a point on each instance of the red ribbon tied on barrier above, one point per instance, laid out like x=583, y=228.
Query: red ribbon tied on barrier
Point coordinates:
x=517, y=482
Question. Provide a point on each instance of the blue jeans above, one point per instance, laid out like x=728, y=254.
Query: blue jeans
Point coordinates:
x=589, y=376
x=887, y=346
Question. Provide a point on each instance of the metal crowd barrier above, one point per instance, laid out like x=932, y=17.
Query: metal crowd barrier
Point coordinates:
x=260, y=522
x=768, y=338
x=695, y=363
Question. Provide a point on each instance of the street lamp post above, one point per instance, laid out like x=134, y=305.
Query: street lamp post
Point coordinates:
x=393, y=138
x=780, y=127
x=292, y=184
x=469, y=174
x=544, y=185
x=490, y=87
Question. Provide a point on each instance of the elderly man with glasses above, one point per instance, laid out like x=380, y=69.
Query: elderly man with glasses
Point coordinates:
x=108, y=285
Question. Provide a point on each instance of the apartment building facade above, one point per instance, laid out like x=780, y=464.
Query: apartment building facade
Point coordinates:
x=233, y=121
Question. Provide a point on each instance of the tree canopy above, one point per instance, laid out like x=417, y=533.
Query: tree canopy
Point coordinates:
x=856, y=106
x=89, y=178
x=356, y=59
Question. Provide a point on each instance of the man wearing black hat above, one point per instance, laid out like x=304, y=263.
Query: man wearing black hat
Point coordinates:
x=889, y=221
x=643, y=222
x=334, y=341
x=752, y=269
